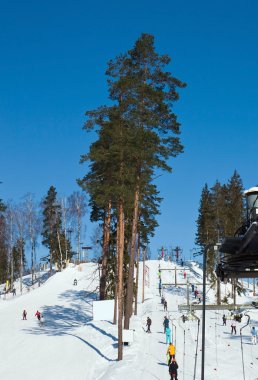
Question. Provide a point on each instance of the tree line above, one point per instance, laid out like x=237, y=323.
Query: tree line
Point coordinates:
x=222, y=213
x=57, y=221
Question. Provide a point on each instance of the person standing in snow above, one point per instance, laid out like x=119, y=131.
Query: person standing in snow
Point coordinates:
x=24, y=315
x=173, y=369
x=171, y=352
x=148, y=324
x=224, y=319
x=233, y=327
x=254, y=335
x=160, y=287
x=168, y=335
x=165, y=323
x=165, y=305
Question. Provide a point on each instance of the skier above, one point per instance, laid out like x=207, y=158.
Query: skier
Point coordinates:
x=168, y=335
x=192, y=288
x=24, y=315
x=254, y=335
x=165, y=323
x=184, y=275
x=224, y=319
x=171, y=351
x=233, y=327
x=14, y=292
x=196, y=293
x=162, y=300
x=173, y=369
x=148, y=324
x=37, y=314
x=183, y=318
x=165, y=305
x=75, y=282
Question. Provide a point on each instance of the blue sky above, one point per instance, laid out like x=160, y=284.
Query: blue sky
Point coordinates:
x=52, y=69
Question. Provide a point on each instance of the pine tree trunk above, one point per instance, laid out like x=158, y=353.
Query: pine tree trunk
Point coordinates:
x=218, y=291
x=21, y=266
x=130, y=280
x=137, y=279
x=120, y=259
x=106, y=237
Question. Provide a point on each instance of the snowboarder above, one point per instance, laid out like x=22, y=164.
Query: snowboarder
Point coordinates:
x=168, y=335
x=148, y=324
x=165, y=323
x=75, y=282
x=24, y=315
x=171, y=352
x=165, y=305
x=37, y=314
x=254, y=335
x=224, y=319
x=173, y=369
x=233, y=327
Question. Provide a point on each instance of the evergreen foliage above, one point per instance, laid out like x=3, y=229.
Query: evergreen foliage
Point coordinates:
x=221, y=214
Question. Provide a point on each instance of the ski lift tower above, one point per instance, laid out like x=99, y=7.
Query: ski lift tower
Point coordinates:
x=162, y=253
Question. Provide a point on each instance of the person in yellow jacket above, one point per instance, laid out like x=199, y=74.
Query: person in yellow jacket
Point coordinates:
x=171, y=352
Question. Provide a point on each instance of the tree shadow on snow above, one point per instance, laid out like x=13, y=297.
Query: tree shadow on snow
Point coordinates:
x=93, y=347
x=62, y=320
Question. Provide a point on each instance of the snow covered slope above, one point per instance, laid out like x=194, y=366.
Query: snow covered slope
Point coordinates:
x=70, y=346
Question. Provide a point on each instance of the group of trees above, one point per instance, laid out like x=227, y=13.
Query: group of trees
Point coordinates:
x=221, y=213
x=136, y=135
x=54, y=219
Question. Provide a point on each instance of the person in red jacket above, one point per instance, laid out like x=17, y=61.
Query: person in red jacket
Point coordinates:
x=37, y=314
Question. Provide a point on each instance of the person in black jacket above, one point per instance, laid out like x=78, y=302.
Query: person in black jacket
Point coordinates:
x=148, y=324
x=173, y=366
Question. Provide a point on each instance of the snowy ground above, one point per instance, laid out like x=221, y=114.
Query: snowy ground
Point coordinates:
x=71, y=346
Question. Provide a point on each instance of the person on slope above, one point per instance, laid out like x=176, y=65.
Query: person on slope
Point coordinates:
x=254, y=335
x=165, y=323
x=171, y=352
x=233, y=326
x=165, y=305
x=224, y=319
x=148, y=324
x=37, y=314
x=168, y=335
x=173, y=369
x=24, y=315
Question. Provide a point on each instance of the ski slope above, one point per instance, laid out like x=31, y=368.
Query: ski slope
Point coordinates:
x=71, y=346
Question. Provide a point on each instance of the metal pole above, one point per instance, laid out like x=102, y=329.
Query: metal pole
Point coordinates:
x=203, y=311
x=203, y=306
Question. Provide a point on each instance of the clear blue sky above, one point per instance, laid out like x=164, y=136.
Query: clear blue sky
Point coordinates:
x=53, y=60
